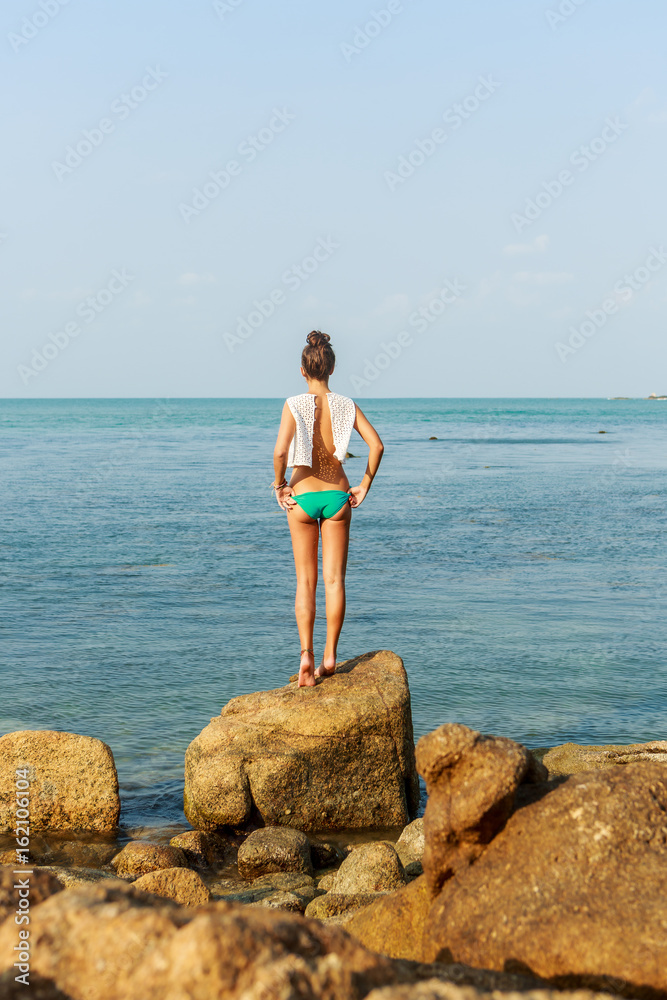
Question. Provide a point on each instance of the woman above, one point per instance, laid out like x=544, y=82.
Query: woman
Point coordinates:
x=314, y=434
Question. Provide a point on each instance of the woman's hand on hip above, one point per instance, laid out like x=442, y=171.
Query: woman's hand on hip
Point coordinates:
x=284, y=498
x=357, y=495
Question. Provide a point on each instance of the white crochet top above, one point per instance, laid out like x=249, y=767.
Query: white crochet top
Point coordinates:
x=343, y=414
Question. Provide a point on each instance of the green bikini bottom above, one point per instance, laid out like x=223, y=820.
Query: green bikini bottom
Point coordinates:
x=322, y=503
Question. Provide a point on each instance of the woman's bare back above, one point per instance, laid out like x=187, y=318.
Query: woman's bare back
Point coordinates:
x=326, y=472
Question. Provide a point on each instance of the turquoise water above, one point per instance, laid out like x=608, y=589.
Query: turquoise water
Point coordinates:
x=516, y=564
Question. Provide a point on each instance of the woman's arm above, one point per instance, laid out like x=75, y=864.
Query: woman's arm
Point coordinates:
x=375, y=452
x=286, y=432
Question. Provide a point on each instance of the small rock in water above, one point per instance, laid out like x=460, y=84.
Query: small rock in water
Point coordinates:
x=571, y=758
x=370, y=868
x=348, y=454
x=274, y=849
x=139, y=858
x=335, y=904
x=324, y=854
x=202, y=850
x=433, y=439
x=180, y=884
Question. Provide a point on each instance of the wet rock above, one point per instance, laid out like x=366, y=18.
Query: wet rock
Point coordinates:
x=572, y=758
x=202, y=850
x=325, y=854
x=139, y=858
x=287, y=881
x=291, y=902
x=374, y=867
x=81, y=853
x=574, y=888
x=471, y=782
x=334, y=756
x=394, y=924
x=73, y=781
x=413, y=869
x=42, y=885
x=274, y=849
x=180, y=884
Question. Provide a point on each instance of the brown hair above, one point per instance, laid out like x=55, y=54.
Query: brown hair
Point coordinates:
x=318, y=358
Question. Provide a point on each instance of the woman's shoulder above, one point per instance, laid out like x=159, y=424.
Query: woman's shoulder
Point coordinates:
x=344, y=402
x=296, y=399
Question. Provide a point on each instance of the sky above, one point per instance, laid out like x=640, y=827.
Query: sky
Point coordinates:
x=469, y=198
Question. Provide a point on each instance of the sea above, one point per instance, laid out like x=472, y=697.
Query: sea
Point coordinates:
x=511, y=551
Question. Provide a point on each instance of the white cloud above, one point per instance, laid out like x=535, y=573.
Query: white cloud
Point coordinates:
x=539, y=245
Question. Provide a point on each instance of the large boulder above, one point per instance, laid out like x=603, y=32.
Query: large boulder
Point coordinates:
x=374, y=867
x=471, y=782
x=571, y=758
x=274, y=849
x=334, y=756
x=73, y=781
x=573, y=889
x=114, y=942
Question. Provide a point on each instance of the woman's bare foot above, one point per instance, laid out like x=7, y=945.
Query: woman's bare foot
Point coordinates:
x=307, y=669
x=328, y=665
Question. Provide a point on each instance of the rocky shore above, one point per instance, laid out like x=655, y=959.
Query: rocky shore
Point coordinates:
x=308, y=874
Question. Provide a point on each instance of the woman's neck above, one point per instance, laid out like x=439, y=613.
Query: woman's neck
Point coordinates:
x=317, y=387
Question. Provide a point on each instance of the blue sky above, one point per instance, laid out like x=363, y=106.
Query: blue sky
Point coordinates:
x=386, y=172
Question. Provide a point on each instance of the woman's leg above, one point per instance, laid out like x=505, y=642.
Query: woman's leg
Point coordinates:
x=305, y=537
x=335, y=541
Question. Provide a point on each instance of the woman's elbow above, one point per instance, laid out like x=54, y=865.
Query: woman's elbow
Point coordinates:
x=379, y=448
x=280, y=455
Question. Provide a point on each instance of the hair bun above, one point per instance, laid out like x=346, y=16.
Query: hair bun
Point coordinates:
x=316, y=338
